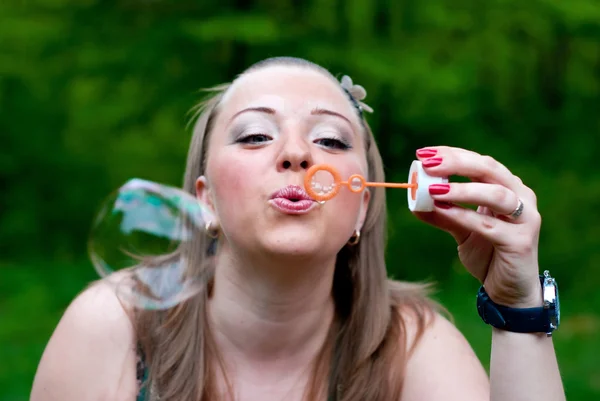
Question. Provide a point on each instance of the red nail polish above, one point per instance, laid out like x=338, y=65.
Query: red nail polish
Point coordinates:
x=442, y=205
x=439, y=189
x=432, y=162
x=426, y=152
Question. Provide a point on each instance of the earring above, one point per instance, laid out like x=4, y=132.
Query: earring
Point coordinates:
x=211, y=230
x=355, y=238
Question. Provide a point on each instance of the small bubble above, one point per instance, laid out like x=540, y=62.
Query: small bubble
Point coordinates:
x=356, y=183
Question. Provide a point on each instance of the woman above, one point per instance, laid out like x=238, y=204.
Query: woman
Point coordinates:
x=300, y=307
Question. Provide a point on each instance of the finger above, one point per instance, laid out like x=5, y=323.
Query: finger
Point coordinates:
x=449, y=161
x=497, y=198
x=497, y=231
x=444, y=223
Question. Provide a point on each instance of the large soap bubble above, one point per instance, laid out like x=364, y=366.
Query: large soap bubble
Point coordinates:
x=143, y=240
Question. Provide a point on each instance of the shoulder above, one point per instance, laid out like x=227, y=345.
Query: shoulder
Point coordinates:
x=91, y=354
x=441, y=364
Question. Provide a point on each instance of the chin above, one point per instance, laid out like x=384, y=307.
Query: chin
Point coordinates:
x=296, y=244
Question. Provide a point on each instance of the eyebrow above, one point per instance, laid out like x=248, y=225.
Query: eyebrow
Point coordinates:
x=266, y=110
x=320, y=111
x=316, y=111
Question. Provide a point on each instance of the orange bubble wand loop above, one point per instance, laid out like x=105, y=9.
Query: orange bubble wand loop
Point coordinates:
x=355, y=183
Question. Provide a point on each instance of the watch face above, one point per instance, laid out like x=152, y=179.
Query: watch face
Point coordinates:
x=554, y=306
x=557, y=310
x=551, y=301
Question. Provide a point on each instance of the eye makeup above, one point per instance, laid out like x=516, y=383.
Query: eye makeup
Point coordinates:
x=252, y=126
x=332, y=136
x=327, y=131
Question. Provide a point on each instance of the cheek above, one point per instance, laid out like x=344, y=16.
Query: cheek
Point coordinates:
x=344, y=211
x=231, y=182
x=349, y=199
x=348, y=205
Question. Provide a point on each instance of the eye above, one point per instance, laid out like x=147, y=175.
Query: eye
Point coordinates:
x=333, y=143
x=254, y=139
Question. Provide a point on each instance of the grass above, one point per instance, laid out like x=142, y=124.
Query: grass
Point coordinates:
x=34, y=297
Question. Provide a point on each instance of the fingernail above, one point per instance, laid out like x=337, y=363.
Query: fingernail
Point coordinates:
x=432, y=162
x=442, y=205
x=426, y=152
x=439, y=189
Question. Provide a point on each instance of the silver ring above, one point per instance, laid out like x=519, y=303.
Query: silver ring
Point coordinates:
x=518, y=210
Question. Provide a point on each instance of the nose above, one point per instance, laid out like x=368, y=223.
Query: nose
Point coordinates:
x=295, y=155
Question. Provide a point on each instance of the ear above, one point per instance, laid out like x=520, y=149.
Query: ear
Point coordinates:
x=204, y=193
x=364, y=208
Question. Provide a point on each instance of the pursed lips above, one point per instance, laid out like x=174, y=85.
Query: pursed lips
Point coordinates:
x=292, y=199
x=292, y=192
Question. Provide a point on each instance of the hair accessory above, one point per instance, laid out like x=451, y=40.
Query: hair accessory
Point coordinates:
x=357, y=92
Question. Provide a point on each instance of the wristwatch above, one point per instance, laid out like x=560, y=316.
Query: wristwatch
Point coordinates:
x=544, y=319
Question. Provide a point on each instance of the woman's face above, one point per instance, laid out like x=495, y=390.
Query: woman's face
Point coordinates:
x=273, y=124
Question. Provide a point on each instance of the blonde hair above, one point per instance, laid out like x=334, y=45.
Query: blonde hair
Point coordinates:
x=367, y=349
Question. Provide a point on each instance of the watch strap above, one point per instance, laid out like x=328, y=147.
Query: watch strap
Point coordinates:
x=521, y=320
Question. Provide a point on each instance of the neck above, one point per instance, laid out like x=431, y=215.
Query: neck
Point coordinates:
x=271, y=314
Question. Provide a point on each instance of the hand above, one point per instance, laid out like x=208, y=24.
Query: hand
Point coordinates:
x=499, y=250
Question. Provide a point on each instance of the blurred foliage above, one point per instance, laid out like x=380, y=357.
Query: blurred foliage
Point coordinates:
x=94, y=92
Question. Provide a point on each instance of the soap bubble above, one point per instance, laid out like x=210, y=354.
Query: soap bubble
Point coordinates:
x=356, y=184
x=323, y=183
x=143, y=240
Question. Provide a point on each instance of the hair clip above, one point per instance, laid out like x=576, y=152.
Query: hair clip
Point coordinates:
x=356, y=91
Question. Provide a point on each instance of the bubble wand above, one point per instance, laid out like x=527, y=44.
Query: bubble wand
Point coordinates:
x=418, y=184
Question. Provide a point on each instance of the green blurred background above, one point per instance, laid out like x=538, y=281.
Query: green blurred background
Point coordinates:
x=94, y=92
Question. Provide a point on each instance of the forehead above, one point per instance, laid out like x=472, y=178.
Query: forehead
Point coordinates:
x=287, y=89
